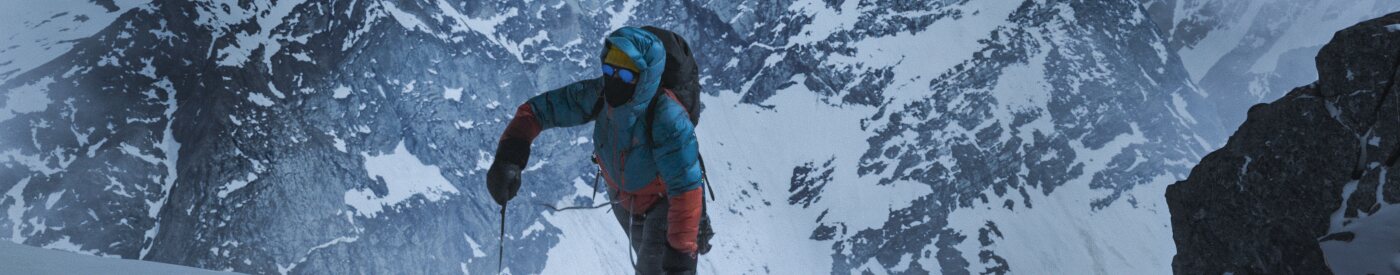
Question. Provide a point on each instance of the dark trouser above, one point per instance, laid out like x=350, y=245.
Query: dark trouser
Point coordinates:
x=648, y=234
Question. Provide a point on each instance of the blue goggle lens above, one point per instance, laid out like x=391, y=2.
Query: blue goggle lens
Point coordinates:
x=624, y=74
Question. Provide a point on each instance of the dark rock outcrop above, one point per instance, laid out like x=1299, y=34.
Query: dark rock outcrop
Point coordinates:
x=1301, y=168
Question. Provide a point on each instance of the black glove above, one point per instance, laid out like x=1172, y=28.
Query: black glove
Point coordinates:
x=702, y=240
x=503, y=180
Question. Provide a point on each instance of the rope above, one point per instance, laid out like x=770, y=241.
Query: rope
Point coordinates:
x=553, y=208
x=630, y=217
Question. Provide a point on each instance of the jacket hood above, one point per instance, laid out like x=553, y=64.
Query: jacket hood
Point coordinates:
x=649, y=54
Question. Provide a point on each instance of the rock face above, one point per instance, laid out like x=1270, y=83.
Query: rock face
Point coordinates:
x=1297, y=185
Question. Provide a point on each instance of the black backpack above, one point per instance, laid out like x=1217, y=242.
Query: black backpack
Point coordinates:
x=682, y=77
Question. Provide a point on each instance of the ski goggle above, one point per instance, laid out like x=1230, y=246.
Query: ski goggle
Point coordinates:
x=620, y=73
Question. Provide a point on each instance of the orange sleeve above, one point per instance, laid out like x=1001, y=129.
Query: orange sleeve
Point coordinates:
x=684, y=220
x=524, y=126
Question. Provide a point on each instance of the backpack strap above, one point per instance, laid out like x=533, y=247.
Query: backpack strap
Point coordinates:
x=597, y=107
x=651, y=120
x=651, y=110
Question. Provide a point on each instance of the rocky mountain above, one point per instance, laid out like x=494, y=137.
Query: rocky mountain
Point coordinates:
x=1242, y=53
x=1303, y=187
x=346, y=137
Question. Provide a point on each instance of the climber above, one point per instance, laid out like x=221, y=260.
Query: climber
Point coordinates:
x=643, y=109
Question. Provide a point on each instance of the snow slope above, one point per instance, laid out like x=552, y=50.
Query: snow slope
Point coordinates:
x=22, y=259
x=35, y=32
x=1243, y=53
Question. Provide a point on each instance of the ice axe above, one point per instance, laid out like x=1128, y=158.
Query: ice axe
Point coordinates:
x=501, y=246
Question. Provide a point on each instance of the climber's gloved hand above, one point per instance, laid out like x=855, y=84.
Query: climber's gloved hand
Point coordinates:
x=503, y=180
x=706, y=234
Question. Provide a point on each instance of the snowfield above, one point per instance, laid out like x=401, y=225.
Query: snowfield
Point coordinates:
x=22, y=259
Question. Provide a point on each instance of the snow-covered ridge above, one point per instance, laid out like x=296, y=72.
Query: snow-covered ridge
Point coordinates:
x=21, y=259
x=37, y=31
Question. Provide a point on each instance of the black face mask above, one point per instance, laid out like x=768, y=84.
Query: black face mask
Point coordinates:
x=617, y=92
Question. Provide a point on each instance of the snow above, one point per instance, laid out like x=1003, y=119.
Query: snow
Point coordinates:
x=136, y=152
x=1393, y=28
x=21, y=259
x=465, y=125
x=454, y=94
x=1096, y=159
x=275, y=92
x=476, y=248
x=260, y=99
x=769, y=244
x=534, y=228
x=241, y=50
x=1022, y=88
x=618, y=18
x=25, y=99
x=1375, y=249
x=15, y=198
x=35, y=33
x=339, y=144
x=1179, y=106
x=372, y=15
x=406, y=177
x=825, y=20
x=338, y=240
x=171, y=148
x=486, y=27
x=1199, y=58
x=341, y=92
x=34, y=162
x=580, y=140
x=405, y=19
x=237, y=184
x=66, y=244
x=459, y=24
x=1063, y=235
x=53, y=198
x=301, y=56
x=483, y=160
x=148, y=69
x=590, y=240
x=1315, y=26
x=906, y=53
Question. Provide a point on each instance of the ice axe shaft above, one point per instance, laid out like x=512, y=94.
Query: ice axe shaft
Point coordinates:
x=501, y=246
